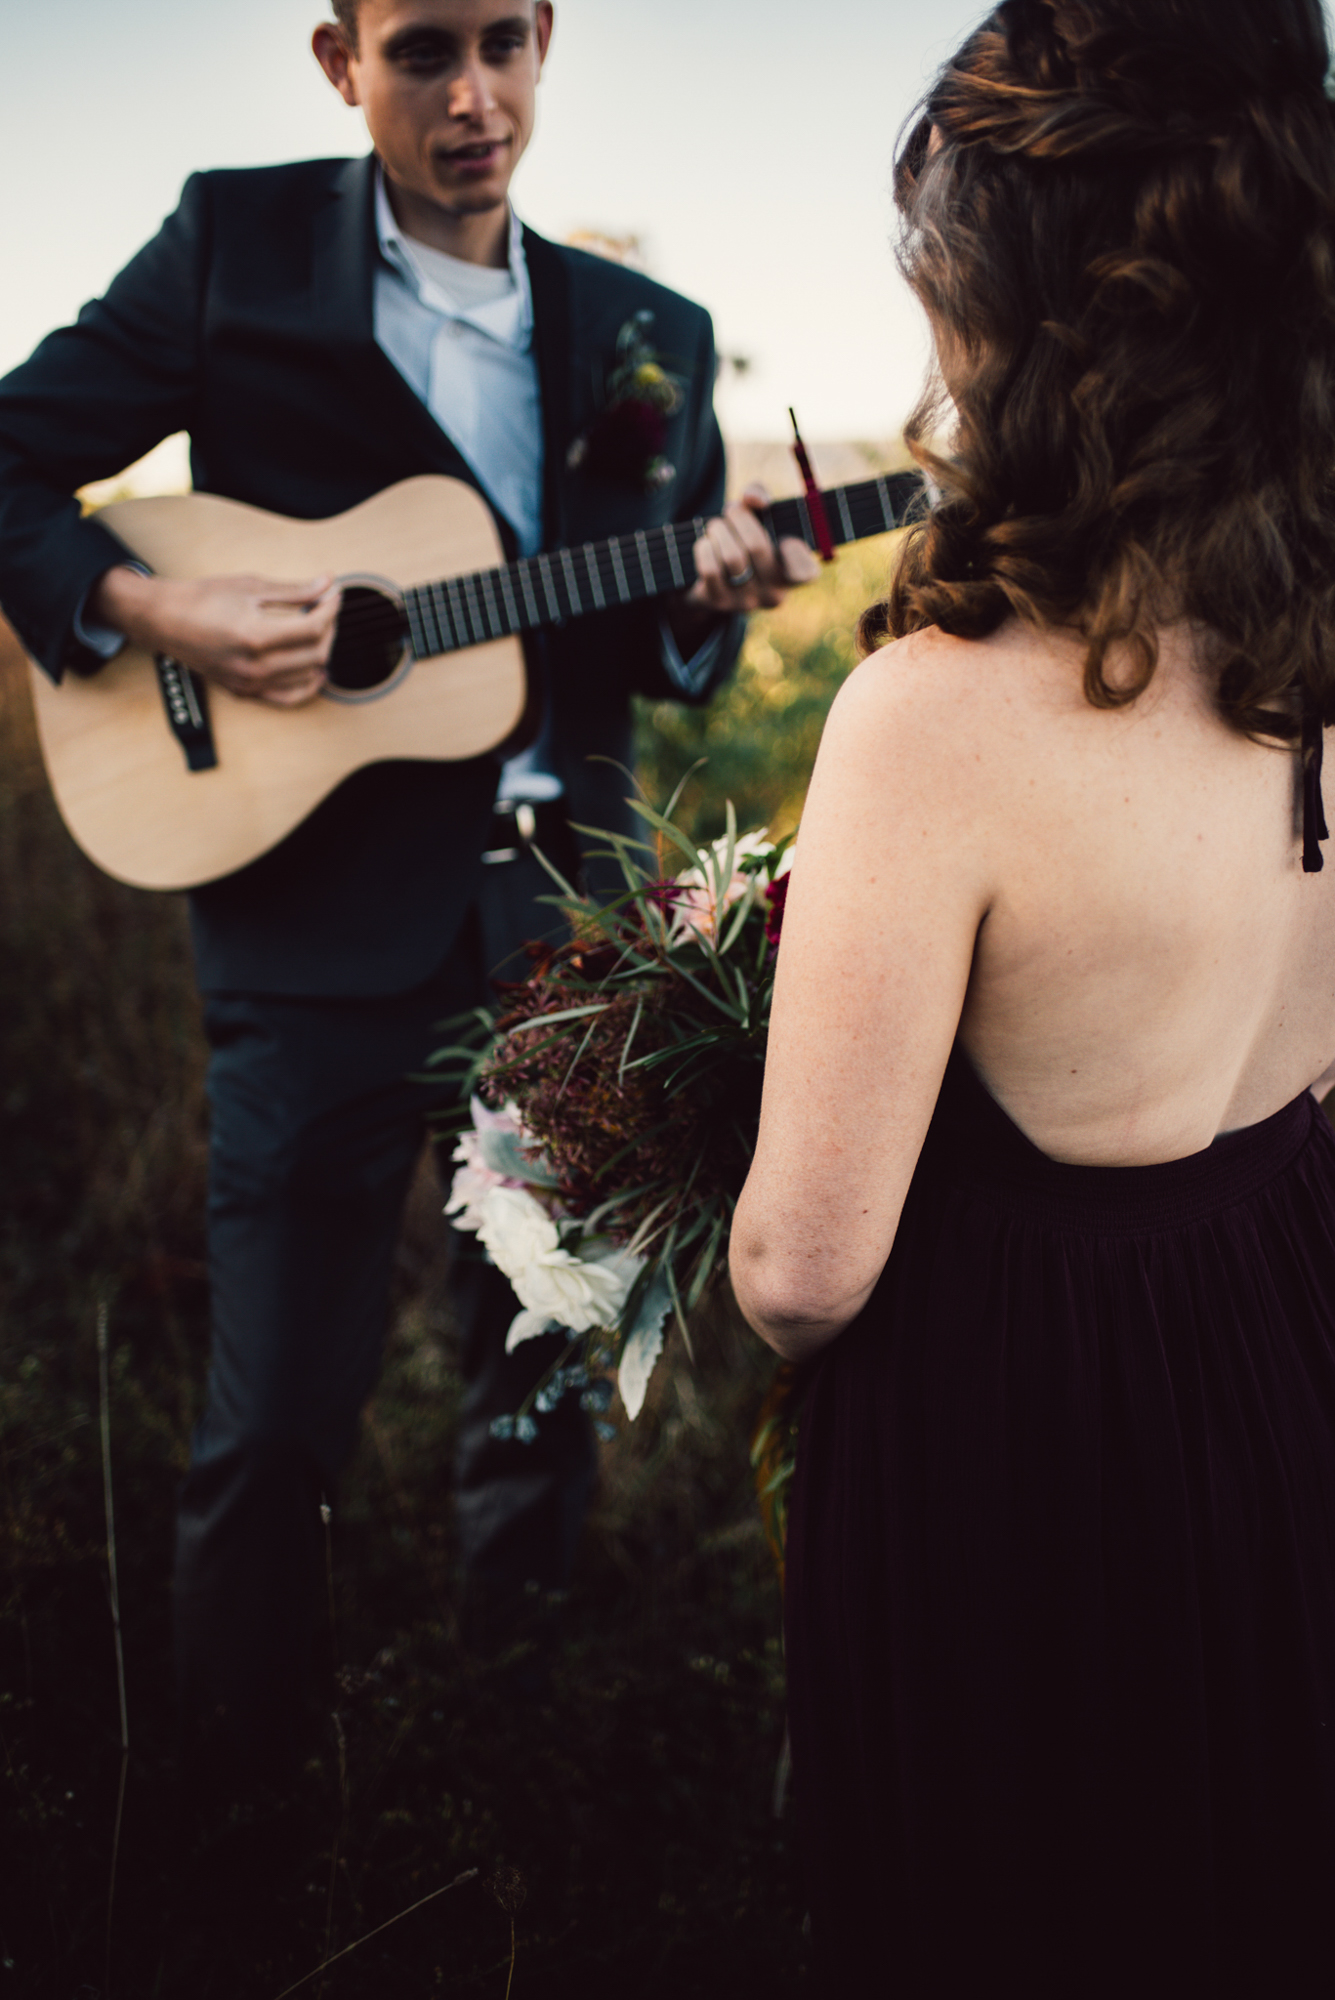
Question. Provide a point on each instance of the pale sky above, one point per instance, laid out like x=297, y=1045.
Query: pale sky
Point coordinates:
x=747, y=142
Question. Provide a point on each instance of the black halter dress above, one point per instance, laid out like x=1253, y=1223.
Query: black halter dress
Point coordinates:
x=1061, y=1578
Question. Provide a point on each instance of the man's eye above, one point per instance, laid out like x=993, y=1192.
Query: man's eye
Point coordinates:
x=497, y=48
x=422, y=56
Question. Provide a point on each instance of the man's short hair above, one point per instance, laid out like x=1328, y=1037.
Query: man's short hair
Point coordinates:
x=345, y=13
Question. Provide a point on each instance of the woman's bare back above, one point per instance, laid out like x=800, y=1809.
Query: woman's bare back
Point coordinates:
x=1106, y=908
x=1154, y=967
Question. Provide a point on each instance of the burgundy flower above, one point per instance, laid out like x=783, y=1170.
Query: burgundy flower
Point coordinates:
x=664, y=895
x=776, y=896
x=623, y=442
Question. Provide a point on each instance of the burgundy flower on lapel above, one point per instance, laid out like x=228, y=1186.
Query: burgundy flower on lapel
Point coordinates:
x=624, y=443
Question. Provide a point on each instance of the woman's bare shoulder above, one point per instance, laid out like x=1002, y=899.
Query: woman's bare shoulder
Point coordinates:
x=963, y=701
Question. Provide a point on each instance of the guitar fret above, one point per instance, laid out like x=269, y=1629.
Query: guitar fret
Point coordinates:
x=572, y=588
x=436, y=625
x=494, y=624
x=646, y=562
x=416, y=631
x=674, y=559
x=507, y=592
x=782, y=519
x=624, y=591
x=475, y=625
x=595, y=581
x=846, y=519
x=441, y=613
x=458, y=610
x=522, y=570
x=883, y=495
x=804, y=518
x=548, y=584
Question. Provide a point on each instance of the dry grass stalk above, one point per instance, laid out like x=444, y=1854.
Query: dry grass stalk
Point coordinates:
x=324, y=1965
x=509, y=1888
x=104, y=1406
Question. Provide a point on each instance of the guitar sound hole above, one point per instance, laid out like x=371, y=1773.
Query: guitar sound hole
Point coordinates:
x=368, y=645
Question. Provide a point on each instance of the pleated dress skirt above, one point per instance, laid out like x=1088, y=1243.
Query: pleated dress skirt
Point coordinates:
x=1061, y=1579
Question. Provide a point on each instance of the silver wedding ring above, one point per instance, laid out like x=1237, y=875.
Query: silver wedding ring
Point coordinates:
x=742, y=576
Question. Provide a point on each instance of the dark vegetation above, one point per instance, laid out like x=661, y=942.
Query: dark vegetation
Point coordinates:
x=624, y=1819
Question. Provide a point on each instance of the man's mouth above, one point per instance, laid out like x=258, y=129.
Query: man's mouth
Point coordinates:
x=477, y=153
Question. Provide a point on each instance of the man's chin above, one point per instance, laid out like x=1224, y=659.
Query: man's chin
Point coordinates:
x=470, y=200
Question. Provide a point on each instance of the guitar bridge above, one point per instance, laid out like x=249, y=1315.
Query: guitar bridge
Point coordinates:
x=186, y=701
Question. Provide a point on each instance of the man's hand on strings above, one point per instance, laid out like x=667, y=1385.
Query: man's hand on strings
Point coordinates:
x=738, y=568
x=262, y=640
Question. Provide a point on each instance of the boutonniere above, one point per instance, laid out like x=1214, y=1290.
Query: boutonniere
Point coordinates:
x=625, y=440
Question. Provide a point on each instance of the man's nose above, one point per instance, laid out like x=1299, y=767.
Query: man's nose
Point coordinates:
x=470, y=94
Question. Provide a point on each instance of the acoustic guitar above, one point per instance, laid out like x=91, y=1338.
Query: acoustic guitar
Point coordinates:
x=167, y=783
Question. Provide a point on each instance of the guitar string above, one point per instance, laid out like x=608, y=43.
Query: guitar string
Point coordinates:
x=861, y=507
x=862, y=513
x=384, y=622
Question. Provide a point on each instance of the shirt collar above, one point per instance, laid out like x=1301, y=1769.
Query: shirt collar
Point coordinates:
x=508, y=320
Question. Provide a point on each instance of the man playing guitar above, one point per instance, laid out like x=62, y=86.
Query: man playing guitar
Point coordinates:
x=323, y=330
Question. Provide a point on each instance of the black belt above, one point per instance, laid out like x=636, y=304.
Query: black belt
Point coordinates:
x=523, y=823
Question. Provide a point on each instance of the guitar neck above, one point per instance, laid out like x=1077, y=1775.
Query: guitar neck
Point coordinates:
x=547, y=589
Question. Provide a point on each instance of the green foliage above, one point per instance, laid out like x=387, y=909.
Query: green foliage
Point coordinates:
x=760, y=736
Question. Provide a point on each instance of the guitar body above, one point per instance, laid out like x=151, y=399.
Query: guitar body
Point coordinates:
x=119, y=775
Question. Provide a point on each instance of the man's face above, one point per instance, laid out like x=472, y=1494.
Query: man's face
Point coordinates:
x=448, y=89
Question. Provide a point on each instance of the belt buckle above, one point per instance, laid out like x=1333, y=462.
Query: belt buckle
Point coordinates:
x=526, y=825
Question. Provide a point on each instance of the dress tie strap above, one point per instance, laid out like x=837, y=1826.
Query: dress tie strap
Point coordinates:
x=1314, y=810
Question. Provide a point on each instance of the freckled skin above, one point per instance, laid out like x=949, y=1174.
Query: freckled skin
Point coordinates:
x=1107, y=908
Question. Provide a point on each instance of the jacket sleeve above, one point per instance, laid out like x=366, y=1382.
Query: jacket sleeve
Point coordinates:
x=92, y=399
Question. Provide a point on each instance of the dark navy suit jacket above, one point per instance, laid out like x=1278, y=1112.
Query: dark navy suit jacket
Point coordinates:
x=247, y=321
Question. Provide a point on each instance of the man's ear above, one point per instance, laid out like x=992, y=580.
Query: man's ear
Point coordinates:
x=542, y=30
x=335, y=59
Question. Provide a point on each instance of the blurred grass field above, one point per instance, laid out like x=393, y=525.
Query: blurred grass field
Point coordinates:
x=636, y=1804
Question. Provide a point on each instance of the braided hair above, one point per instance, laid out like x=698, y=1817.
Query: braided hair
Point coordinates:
x=1120, y=217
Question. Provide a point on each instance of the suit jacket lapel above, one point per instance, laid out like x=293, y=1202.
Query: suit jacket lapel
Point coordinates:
x=549, y=280
x=343, y=276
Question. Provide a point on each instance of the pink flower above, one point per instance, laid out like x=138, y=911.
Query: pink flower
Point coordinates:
x=698, y=906
x=475, y=1180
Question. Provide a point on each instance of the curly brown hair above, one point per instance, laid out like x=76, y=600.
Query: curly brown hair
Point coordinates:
x=1120, y=217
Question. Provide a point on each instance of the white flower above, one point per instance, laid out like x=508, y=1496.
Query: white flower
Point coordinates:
x=577, y=1292
x=572, y=1291
x=528, y=1325
x=698, y=908
x=516, y=1230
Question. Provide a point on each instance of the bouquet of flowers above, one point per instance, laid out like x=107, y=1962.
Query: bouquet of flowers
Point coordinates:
x=615, y=1104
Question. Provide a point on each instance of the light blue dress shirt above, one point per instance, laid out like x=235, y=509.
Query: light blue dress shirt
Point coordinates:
x=461, y=336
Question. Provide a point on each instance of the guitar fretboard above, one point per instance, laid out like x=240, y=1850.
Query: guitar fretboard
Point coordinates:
x=549, y=588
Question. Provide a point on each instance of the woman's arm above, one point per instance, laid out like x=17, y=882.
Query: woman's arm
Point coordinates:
x=889, y=888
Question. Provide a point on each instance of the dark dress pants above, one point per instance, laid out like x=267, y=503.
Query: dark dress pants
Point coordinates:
x=316, y=1130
